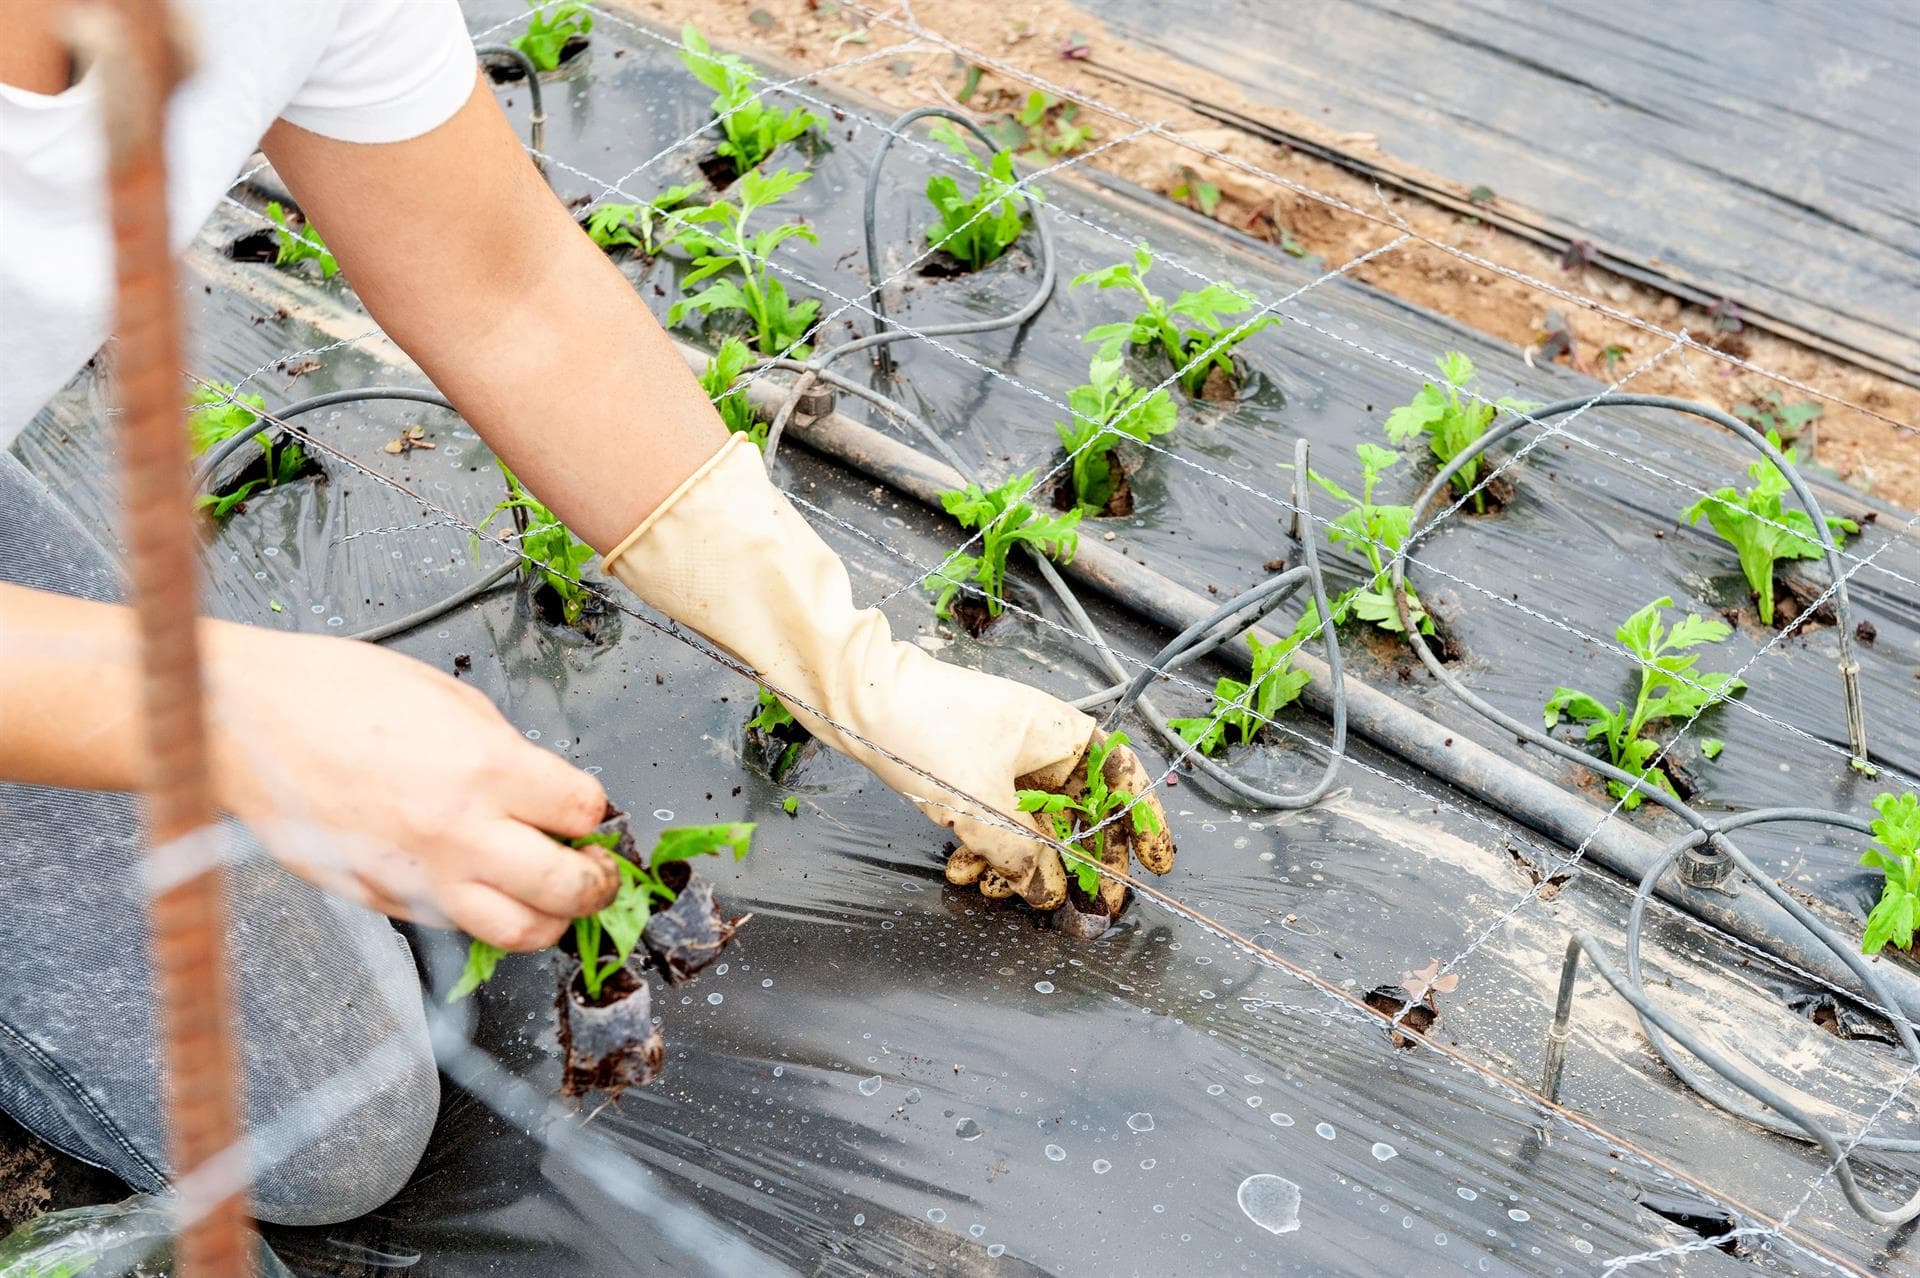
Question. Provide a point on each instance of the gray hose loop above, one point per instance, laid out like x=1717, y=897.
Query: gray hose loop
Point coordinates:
x=1849, y=667
x=876, y=302
x=1799, y=1127
x=265, y=430
x=537, y=117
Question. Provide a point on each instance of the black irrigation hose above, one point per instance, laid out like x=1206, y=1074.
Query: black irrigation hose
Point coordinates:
x=537, y=110
x=265, y=430
x=1787, y=1117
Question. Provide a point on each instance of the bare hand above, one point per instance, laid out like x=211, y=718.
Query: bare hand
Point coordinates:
x=380, y=779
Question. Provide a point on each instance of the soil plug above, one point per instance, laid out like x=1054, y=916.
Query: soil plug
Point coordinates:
x=689, y=934
x=609, y=1043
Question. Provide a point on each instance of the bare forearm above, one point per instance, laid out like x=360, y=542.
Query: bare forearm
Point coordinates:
x=471, y=264
x=69, y=690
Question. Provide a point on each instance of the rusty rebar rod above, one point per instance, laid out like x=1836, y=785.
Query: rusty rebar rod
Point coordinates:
x=141, y=55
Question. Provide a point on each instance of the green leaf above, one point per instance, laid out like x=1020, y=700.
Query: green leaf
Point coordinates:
x=791, y=805
x=1712, y=746
x=1577, y=706
x=683, y=842
x=1456, y=368
x=482, y=959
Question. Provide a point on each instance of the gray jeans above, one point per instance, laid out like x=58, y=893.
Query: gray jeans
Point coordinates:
x=323, y=986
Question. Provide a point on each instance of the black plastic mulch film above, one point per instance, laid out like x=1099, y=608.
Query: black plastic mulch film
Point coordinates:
x=887, y=1074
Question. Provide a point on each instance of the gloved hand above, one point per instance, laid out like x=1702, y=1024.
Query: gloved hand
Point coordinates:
x=729, y=556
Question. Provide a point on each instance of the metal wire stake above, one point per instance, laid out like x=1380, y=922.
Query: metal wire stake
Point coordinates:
x=142, y=55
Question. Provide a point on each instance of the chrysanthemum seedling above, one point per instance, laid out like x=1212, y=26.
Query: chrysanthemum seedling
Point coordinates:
x=1066, y=815
x=1450, y=420
x=605, y=940
x=719, y=380
x=552, y=553
x=1762, y=528
x=1246, y=708
x=1193, y=332
x=1006, y=520
x=1378, y=532
x=549, y=29
x=775, y=725
x=1050, y=128
x=1195, y=192
x=1108, y=410
x=752, y=126
x=1897, y=915
x=215, y=414
x=976, y=229
x=1670, y=688
x=778, y=322
x=633, y=226
x=1769, y=413
x=294, y=245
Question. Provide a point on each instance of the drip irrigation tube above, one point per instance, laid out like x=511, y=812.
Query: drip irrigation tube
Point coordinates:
x=265, y=430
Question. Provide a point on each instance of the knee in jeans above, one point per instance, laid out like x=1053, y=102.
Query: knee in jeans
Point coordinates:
x=364, y=1158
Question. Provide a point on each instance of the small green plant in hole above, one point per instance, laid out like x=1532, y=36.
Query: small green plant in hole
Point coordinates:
x=791, y=805
x=1106, y=411
x=1769, y=413
x=294, y=245
x=1450, y=420
x=605, y=939
x=1006, y=520
x=727, y=249
x=753, y=127
x=1376, y=531
x=633, y=226
x=1089, y=812
x=1195, y=192
x=720, y=379
x=214, y=415
x=553, y=554
x=1670, y=688
x=549, y=29
x=1762, y=528
x=770, y=716
x=1050, y=128
x=1245, y=708
x=976, y=229
x=1193, y=332
x=1897, y=857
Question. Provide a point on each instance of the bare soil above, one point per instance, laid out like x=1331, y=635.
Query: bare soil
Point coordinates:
x=1029, y=36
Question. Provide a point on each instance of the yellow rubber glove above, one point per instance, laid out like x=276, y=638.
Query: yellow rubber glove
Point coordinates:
x=727, y=555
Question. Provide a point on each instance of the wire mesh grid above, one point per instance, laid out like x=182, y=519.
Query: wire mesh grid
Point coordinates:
x=482, y=1076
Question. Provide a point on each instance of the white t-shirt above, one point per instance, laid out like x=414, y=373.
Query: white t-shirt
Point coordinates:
x=356, y=70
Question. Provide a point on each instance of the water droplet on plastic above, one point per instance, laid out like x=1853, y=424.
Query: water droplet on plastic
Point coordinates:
x=1280, y=1120
x=659, y=814
x=1582, y=1246
x=870, y=1086
x=1146, y=1164
x=1101, y=1166
x=968, y=1129
x=1466, y=1193
x=716, y=998
x=913, y=1096
x=533, y=734
x=778, y=1070
x=1140, y=1122
x=996, y=1250
x=1043, y=987
x=1515, y=1214
x=1271, y=1202
x=1215, y=1090
x=1253, y=1102
x=1384, y=1151
x=767, y=983
x=860, y=1218
x=1324, y=1131
x=1056, y=1154
x=936, y=1214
